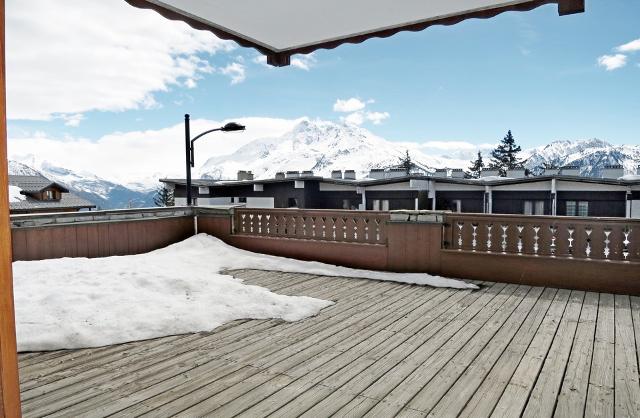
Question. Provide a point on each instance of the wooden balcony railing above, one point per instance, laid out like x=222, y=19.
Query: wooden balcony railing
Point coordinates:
x=612, y=239
x=322, y=225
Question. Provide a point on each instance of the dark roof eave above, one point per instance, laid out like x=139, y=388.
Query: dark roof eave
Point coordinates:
x=280, y=58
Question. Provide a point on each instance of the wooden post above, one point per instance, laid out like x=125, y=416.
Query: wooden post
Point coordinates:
x=9, y=387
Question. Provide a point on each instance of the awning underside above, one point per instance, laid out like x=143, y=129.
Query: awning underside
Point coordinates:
x=281, y=28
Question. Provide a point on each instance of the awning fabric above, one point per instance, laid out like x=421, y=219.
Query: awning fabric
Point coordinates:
x=281, y=28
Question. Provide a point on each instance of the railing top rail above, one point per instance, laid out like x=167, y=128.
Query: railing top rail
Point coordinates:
x=349, y=211
x=541, y=218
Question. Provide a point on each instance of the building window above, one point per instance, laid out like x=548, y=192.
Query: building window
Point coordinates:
x=583, y=208
x=242, y=200
x=49, y=195
x=533, y=207
x=577, y=208
x=293, y=202
x=381, y=204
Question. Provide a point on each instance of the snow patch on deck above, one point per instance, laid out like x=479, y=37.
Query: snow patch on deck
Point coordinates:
x=81, y=302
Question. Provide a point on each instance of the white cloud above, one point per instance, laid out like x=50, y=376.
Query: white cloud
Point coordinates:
x=355, y=118
x=348, y=105
x=73, y=120
x=303, y=62
x=235, y=71
x=76, y=56
x=632, y=46
x=141, y=155
x=357, y=114
x=377, y=117
x=612, y=62
x=190, y=83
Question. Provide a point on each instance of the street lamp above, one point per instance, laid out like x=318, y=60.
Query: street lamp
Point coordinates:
x=190, y=156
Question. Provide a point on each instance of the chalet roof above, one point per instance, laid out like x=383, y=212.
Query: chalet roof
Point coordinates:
x=34, y=184
x=67, y=200
x=281, y=28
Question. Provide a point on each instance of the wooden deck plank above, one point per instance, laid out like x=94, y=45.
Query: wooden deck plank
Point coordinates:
x=600, y=393
x=485, y=347
x=351, y=362
x=514, y=398
x=573, y=393
x=492, y=370
x=445, y=321
x=547, y=384
x=490, y=319
x=349, y=325
x=627, y=387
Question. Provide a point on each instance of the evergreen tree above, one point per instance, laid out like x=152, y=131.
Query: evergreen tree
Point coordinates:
x=163, y=197
x=505, y=155
x=475, y=170
x=406, y=163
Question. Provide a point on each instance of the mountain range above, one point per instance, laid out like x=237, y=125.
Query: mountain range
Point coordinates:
x=322, y=146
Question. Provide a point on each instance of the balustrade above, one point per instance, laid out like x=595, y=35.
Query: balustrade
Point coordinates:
x=583, y=238
x=323, y=225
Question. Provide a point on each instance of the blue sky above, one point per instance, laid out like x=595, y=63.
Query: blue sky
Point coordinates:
x=535, y=73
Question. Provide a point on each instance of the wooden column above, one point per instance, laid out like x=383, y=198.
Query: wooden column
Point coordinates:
x=9, y=387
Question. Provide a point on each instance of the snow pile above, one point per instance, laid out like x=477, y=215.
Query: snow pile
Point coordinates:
x=14, y=194
x=630, y=177
x=80, y=302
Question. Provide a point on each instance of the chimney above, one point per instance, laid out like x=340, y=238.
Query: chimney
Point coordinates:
x=306, y=173
x=376, y=173
x=292, y=175
x=245, y=175
x=490, y=172
x=349, y=175
x=279, y=175
x=516, y=173
x=440, y=173
x=336, y=174
x=570, y=170
x=457, y=173
x=613, y=171
x=396, y=172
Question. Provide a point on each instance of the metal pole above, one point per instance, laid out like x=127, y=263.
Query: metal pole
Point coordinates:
x=187, y=142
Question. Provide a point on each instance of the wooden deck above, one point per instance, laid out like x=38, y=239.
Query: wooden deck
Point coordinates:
x=383, y=349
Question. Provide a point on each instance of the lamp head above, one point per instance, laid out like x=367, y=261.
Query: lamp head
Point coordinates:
x=231, y=127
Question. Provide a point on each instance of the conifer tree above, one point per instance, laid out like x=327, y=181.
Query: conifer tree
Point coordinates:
x=475, y=170
x=406, y=163
x=505, y=156
x=163, y=197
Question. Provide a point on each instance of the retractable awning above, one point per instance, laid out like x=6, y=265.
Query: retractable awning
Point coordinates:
x=281, y=28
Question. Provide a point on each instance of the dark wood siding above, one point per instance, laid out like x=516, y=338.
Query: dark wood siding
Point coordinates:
x=512, y=202
x=606, y=204
x=398, y=199
x=471, y=201
x=281, y=192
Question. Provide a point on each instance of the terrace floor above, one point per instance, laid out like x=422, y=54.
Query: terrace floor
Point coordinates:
x=383, y=349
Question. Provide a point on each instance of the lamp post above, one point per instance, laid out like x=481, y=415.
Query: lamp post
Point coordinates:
x=190, y=154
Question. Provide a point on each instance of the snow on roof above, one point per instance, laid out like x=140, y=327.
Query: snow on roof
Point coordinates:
x=14, y=194
x=630, y=177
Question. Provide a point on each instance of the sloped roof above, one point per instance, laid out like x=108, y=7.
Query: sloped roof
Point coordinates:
x=281, y=28
x=34, y=184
